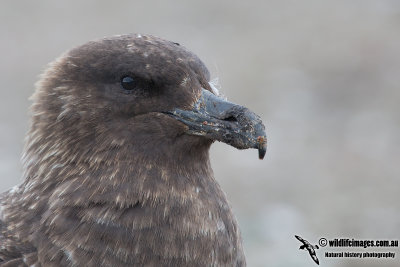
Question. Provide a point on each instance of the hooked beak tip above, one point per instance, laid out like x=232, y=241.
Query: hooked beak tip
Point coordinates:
x=262, y=146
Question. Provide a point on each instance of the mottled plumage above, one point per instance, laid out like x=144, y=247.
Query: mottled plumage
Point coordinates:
x=116, y=177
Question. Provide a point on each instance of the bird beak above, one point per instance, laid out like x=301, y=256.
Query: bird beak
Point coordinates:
x=215, y=118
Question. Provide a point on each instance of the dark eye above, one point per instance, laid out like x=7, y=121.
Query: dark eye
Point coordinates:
x=128, y=83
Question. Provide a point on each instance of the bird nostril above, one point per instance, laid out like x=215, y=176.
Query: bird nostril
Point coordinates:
x=230, y=118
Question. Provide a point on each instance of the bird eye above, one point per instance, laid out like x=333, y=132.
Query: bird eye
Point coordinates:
x=128, y=83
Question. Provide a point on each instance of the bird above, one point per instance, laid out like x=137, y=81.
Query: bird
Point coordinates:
x=116, y=168
x=310, y=248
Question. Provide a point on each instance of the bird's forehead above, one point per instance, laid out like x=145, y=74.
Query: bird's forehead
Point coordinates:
x=146, y=51
x=170, y=52
x=150, y=44
x=145, y=46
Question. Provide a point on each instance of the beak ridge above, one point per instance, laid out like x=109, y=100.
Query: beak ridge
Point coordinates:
x=215, y=118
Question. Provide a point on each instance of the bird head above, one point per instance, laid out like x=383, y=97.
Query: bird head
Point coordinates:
x=135, y=93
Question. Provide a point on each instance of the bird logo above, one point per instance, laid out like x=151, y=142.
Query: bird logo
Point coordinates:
x=311, y=249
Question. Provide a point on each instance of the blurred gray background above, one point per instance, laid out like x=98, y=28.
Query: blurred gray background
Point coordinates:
x=323, y=75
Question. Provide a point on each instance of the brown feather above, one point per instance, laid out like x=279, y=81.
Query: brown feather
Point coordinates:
x=110, y=181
